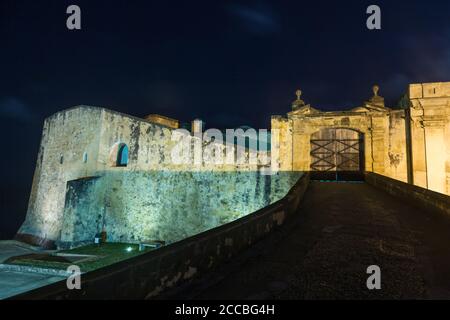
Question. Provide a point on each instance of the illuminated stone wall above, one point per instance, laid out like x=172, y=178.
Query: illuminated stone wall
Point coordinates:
x=136, y=206
x=417, y=134
x=66, y=137
x=430, y=130
x=383, y=130
x=166, y=121
x=83, y=142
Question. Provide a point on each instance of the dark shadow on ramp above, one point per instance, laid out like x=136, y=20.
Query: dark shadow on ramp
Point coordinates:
x=337, y=176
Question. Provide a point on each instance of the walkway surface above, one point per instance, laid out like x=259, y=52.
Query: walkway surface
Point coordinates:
x=12, y=248
x=12, y=282
x=324, y=252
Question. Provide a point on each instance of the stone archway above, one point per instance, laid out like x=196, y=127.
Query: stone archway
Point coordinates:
x=118, y=156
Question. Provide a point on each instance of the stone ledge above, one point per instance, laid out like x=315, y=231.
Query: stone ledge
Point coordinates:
x=430, y=201
x=29, y=269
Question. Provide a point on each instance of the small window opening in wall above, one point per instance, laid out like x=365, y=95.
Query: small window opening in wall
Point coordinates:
x=122, y=155
x=85, y=157
x=61, y=159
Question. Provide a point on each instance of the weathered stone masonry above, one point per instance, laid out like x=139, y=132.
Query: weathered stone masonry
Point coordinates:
x=78, y=188
x=163, y=205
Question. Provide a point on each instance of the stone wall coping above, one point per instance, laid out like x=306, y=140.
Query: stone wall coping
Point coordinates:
x=428, y=200
x=82, y=106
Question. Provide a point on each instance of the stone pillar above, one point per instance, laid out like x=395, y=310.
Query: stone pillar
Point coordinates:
x=301, y=144
x=435, y=154
x=419, y=166
x=368, y=158
x=378, y=138
x=377, y=124
x=281, y=145
x=430, y=117
x=301, y=152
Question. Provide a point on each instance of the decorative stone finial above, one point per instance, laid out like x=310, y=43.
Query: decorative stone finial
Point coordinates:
x=376, y=100
x=375, y=90
x=299, y=102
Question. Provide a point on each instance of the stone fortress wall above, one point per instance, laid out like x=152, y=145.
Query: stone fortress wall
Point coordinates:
x=78, y=188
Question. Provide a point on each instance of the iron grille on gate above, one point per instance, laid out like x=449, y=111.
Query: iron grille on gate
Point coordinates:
x=335, y=154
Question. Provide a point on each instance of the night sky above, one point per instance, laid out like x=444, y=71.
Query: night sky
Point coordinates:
x=230, y=63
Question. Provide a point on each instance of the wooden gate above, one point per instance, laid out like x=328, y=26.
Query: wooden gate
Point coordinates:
x=337, y=150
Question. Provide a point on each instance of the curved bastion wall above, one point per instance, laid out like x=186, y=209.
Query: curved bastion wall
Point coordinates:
x=164, y=205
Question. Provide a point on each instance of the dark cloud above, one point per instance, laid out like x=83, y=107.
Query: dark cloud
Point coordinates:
x=226, y=120
x=163, y=96
x=13, y=108
x=428, y=56
x=259, y=20
x=394, y=86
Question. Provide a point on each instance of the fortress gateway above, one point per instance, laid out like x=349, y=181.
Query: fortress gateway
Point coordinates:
x=98, y=169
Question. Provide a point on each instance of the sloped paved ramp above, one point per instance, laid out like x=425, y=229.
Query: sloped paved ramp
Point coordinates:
x=324, y=252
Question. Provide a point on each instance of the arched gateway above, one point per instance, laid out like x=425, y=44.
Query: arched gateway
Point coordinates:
x=370, y=137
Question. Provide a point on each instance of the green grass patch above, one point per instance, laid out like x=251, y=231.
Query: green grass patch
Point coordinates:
x=105, y=254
